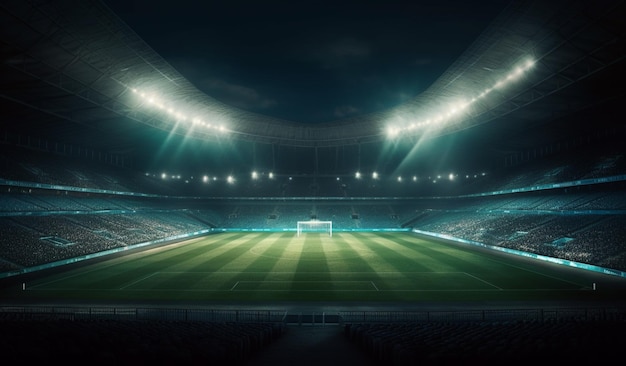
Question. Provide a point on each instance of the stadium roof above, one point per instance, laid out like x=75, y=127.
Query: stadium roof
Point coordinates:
x=72, y=70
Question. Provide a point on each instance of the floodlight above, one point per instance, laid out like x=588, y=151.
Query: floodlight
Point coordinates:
x=529, y=64
x=174, y=111
x=375, y=175
x=357, y=175
x=255, y=175
x=443, y=116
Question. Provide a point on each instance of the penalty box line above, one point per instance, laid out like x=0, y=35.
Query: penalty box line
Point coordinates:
x=336, y=281
x=371, y=282
x=127, y=285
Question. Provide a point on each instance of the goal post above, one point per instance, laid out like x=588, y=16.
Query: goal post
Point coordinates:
x=315, y=226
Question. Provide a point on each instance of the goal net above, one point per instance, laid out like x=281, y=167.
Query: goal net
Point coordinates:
x=315, y=227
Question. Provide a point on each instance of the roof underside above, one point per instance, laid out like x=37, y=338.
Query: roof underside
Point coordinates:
x=69, y=67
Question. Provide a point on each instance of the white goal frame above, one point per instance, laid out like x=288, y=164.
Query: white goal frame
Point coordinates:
x=314, y=226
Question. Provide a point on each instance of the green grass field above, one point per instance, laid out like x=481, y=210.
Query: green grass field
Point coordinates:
x=269, y=267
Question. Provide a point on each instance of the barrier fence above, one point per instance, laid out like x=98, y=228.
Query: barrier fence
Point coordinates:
x=307, y=318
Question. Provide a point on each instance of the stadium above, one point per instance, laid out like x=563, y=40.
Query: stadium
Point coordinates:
x=145, y=219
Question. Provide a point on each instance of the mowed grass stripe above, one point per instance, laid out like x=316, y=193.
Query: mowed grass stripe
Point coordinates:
x=191, y=260
x=450, y=258
x=249, y=266
x=202, y=275
x=362, y=260
x=312, y=247
x=287, y=261
x=421, y=251
x=442, y=275
x=497, y=273
x=393, y=264
x=175, y=258
x=304, y=286
x=113, y=267
x=387, y=282
x=206, y=264
x=404, y=259
x=503, y=273
x=379, y=266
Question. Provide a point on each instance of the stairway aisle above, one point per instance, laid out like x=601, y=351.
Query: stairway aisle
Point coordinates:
x=303, y=345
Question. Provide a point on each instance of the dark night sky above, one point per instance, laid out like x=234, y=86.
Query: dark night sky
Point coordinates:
x=308, y=61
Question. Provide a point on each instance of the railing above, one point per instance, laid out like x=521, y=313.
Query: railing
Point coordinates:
x=492, y=315
x=308, y=318
x=132, y=313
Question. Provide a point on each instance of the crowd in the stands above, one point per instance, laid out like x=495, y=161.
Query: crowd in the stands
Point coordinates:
x=42, y=224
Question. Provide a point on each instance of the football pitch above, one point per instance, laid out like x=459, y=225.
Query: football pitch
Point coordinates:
x=356, y=267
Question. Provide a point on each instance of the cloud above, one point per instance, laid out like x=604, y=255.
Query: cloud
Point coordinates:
x=423, y=61
x=340, y=53
x=345, y=111
x=401, y=96
x=238, y=95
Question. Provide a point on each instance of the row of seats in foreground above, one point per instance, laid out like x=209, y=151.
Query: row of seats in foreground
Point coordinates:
x=563, y=342
x=124, y=342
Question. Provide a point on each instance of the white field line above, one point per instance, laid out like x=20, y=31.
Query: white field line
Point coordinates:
x=536, y=272
x=139, y=280
x=232, y=288
x=481, y=280
x=304, y=273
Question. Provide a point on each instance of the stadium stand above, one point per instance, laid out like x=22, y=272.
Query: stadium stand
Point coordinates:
x=126, y=342
x=571, y=341
x=56, y=220
x=535, y=100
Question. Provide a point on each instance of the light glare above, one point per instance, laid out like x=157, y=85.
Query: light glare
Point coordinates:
x=455, y=110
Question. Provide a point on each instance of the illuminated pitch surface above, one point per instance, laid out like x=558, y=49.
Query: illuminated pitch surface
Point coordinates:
x=315, y=267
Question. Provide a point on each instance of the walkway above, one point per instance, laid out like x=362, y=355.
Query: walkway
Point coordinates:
x=307, y=345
